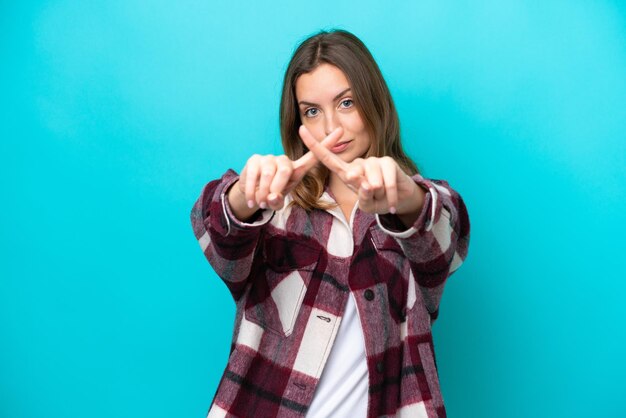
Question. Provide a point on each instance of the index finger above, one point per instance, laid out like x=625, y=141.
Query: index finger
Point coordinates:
x=305, y=162
x=320, y=150
x=308, y=160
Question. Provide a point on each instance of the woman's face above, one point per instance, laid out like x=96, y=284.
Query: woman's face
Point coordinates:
x=325, y=103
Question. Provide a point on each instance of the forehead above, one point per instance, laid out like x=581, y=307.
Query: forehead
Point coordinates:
x=323, y=83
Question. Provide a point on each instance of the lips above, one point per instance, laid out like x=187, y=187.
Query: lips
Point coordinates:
x=340, y=146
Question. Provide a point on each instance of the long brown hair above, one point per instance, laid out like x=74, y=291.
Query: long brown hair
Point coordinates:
x=372, y=100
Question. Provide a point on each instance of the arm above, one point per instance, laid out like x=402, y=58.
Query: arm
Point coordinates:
x=228, y=243
x=437, y=242
x=226, y=218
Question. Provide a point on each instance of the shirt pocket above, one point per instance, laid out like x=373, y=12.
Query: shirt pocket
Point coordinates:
x=277, y=294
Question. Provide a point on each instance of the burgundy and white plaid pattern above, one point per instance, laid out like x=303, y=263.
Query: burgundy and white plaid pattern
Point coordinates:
x=290, y=276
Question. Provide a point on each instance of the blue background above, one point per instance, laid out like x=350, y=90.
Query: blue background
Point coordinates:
x=115, y=113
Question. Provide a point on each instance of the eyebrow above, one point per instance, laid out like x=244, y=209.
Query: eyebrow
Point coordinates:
x=334, y=98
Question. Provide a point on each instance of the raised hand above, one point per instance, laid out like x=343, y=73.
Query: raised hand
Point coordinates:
x=381, y=185
x=266, y=180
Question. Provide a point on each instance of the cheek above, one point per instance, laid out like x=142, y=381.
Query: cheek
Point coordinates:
x=355, y=124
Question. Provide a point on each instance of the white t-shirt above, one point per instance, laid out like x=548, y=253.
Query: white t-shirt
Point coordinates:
x=343, y=386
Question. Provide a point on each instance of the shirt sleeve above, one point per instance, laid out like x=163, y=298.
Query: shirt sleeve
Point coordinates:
x=437, y=243
x=228, y=244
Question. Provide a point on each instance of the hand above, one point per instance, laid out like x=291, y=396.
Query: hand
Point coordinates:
x=381, y=185
x=266, y=180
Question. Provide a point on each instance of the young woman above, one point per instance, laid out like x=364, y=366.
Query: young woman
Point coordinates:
x=335, y=253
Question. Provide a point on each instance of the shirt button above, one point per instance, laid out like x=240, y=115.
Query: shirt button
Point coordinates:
x=369, y=295
x=379, y=367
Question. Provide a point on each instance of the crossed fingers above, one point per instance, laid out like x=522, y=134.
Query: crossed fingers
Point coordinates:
x=266, y=180
x=375, y=180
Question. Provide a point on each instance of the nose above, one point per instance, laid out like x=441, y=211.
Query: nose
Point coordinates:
x=331, y=123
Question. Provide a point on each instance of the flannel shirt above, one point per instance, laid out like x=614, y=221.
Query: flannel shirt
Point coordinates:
x=290, y=280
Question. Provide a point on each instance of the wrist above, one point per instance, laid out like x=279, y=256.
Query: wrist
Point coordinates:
x=413, y=203
x=410, y=208
x=238, y=203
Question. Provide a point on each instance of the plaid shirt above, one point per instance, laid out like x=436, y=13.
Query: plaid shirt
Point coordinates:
x=291, y=272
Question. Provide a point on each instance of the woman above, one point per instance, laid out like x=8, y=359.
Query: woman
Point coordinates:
x=335, y=253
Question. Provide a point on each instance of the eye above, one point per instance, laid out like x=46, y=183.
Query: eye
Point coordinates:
x=347, y=103
x=308, y=113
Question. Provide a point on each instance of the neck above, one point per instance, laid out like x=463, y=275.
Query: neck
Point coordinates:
x=341, y=192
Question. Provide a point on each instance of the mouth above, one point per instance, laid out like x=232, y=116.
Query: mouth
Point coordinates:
x=340, y=147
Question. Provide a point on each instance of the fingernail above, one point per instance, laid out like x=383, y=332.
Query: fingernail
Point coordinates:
x=392, y=210
x=271, y=197
x=262, y=205
x=250, y=204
